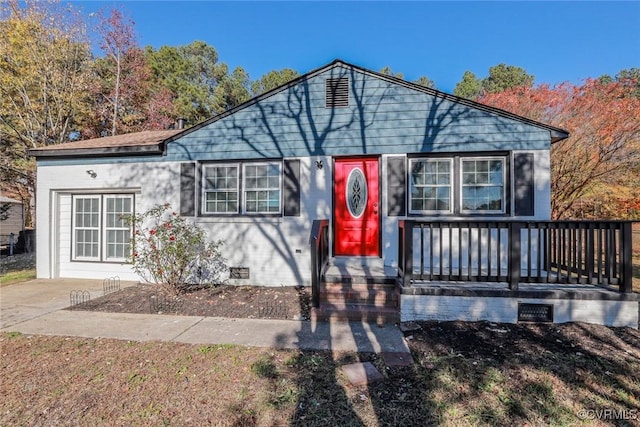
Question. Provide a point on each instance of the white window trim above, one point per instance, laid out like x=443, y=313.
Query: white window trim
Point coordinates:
x=244, y=188
x=74, y=227
x=205, y=191
x=450, y=185
x=502, y=194
x=102, y=226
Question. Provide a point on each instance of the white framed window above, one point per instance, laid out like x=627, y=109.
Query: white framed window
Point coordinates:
x=99, y=230
x=482, y=185
x=220, y=188
x=117, y=232
x=261, y=185
x=86, y=228
x=430, y=185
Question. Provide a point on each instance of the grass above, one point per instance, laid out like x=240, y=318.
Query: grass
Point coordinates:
x=17, y=276
x=17, y=268
x=463, y=376
x=544, y=375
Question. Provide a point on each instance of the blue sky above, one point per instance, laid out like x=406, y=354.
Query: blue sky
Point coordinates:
x=554, y=41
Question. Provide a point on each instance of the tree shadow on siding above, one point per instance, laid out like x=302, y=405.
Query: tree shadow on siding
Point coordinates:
x=300, y=126
x=295, y=123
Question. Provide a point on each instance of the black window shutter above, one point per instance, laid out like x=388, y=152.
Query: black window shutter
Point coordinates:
x=291, y=188
x=523, y=180
x=396, y=186
x=188, y=189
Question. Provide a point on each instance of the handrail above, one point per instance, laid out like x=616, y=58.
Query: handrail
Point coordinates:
x=319, y=248
x=516, y=251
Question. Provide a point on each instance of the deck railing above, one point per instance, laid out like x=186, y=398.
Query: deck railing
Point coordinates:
x=567, y=252
x=319, y=244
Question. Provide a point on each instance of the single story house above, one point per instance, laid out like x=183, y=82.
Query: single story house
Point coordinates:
x=368, y=154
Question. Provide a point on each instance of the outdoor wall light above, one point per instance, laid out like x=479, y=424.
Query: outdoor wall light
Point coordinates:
x=319, y=164
x=92, y=173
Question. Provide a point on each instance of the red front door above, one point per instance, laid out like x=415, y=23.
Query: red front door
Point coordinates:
x=357, y=206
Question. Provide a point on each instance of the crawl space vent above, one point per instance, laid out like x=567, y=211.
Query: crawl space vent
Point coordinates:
x=336, y=92
x=535, y=312
x=239, y=272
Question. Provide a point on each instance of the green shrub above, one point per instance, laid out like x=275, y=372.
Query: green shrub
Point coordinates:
x=173, y=252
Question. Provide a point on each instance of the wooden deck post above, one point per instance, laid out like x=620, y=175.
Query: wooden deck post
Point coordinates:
x=408, y=252
x=626, y=284
x=514, y=254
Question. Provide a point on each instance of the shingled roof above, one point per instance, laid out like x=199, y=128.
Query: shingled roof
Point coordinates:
x=145, y=142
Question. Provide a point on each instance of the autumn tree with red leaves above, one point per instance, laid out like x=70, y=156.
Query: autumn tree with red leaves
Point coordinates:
x=125, y=101
x=598, y=166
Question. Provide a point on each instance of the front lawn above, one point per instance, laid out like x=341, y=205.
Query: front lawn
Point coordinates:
x=463, y=374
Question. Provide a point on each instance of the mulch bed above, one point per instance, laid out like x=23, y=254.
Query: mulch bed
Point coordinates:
x=251, y=302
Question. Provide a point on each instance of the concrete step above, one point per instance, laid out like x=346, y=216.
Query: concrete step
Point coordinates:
x=357, y=262
x=355, y=312
x=347, y=271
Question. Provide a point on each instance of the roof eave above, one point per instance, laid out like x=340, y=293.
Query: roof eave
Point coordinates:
x=138, y=150
x=558, y=135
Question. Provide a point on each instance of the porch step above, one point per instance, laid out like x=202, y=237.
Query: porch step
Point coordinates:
x=355, y=291
x=360, y=274
x=331, y=277
x=355, y=312
x=375, y=297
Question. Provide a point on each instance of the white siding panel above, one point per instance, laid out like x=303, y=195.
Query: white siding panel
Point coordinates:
x=63, y=235
x=152, y=183
x=275, y=249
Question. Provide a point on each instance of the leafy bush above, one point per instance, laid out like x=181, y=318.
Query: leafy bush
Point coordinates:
x=173, y=252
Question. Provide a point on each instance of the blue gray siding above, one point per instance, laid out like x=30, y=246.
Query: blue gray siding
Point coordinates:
x=383, y=117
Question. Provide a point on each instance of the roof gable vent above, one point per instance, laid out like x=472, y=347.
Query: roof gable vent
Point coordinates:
x=336, y=92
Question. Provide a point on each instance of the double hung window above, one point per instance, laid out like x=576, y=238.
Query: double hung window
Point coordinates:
x=117, y=230
x=457, y=185
x=220, y=188
x=483, y=185
x=257, y=190
x=430, y=185
x=100, y=230
x=86, y=227
x=262, y=187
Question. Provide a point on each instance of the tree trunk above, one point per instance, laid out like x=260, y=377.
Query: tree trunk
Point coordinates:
x=116, y=97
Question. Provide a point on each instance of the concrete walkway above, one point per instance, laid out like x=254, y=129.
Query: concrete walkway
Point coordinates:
x=36, y=307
